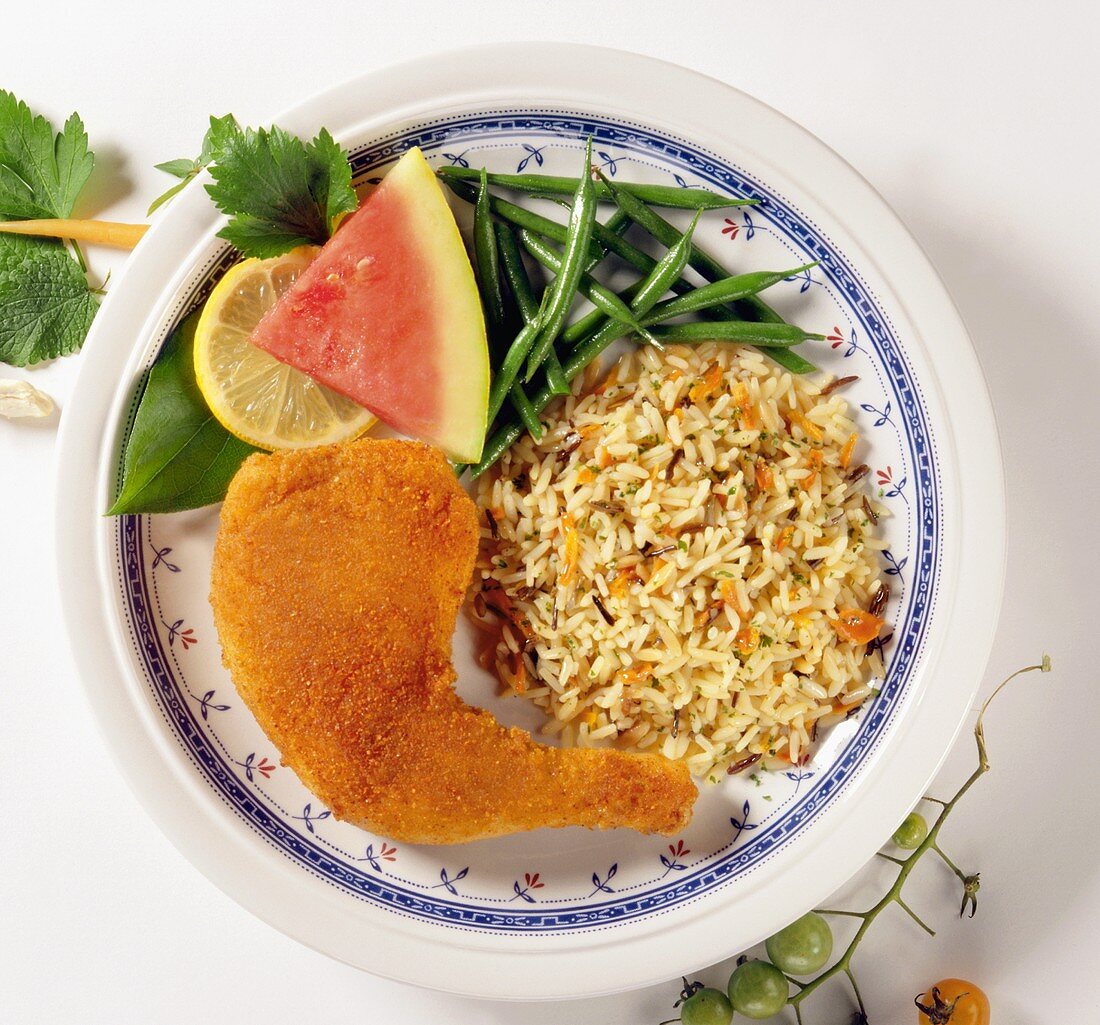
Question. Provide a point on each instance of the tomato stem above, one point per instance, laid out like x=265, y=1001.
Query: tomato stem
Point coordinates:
x=950, y=864
x=934, y=800
x=913, y=915
x=837, y=911
x=855, y=989
x=890, y=857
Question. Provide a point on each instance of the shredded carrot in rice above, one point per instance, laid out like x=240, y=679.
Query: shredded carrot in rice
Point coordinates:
x=707, y=385
x=621, y=584
x=748, y=416
x=632, y=676
x=816, y=460
x=784, y=539
x=572, y=546
x=586, y=475
x=603, y=457
x=765, y=479
x=728, y=590
x=802, y=619
x=857, y=626
x=843, y=709
x=849, y=448
x=607, y=382
x=811, y=430
x=747, y=640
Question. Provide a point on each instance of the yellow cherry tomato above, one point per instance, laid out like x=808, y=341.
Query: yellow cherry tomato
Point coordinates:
x=953, y=1002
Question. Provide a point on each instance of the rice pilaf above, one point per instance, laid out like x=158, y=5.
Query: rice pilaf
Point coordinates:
x=686, y=562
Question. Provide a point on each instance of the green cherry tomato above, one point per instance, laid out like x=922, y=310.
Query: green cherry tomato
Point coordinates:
x=911, y=833
x=758, y=989
x=706, y=1007
x=802, y=947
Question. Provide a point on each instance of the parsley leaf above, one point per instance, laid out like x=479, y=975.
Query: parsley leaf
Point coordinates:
x=41, y=173
x=182, y=168
x=185, y=168
x=278, y=191
x=46, y=307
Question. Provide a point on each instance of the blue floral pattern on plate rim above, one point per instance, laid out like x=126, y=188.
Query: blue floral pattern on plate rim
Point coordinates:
x=735, y=860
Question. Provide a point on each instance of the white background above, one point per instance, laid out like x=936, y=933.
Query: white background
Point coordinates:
x=977, y=121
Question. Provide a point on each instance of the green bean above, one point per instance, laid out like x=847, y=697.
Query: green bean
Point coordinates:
x=655, y=284
x=488, y=266
x=617, y=224
x=711, y=269
x=510, y=367
x=555, y=376
x=507, y=256
x=524, y=294
x=563, y=288
x=720, y=292
x=604, y=238
x=527, y=309
x=759, y=311
x=594, y=319
x=546, y=184
x=599, y=295
x=523, y=218
x=527, y=412
x=762, y=336
x=516, y=274
x=650, y=289
x=751, y=308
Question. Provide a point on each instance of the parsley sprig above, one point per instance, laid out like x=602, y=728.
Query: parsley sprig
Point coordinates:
x=278, y=190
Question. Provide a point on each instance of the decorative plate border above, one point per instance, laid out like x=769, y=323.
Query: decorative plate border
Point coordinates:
x=917, y=436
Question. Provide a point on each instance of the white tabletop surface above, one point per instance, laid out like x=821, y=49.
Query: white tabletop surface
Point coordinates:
x=977, y=121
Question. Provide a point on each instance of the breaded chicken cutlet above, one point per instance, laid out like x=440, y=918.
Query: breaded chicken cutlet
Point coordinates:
x=338, y=575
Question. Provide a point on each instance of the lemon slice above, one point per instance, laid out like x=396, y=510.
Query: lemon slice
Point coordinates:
x=253, y=395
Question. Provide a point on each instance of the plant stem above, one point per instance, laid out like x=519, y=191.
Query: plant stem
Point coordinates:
x=916, y=918
x=79, y=254
x=950, y=864
x=855, y=989
x=893, y=895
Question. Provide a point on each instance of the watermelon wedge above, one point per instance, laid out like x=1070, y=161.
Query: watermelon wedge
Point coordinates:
x=389, y=315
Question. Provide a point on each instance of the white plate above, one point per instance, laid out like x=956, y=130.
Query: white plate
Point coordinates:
x=565, y=913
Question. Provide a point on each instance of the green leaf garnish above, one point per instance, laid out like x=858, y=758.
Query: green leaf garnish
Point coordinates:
x=278, y=191
x=181, y=168
x=41, y=173
x=186, y=169
x=46, y=307
x=177, y=454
